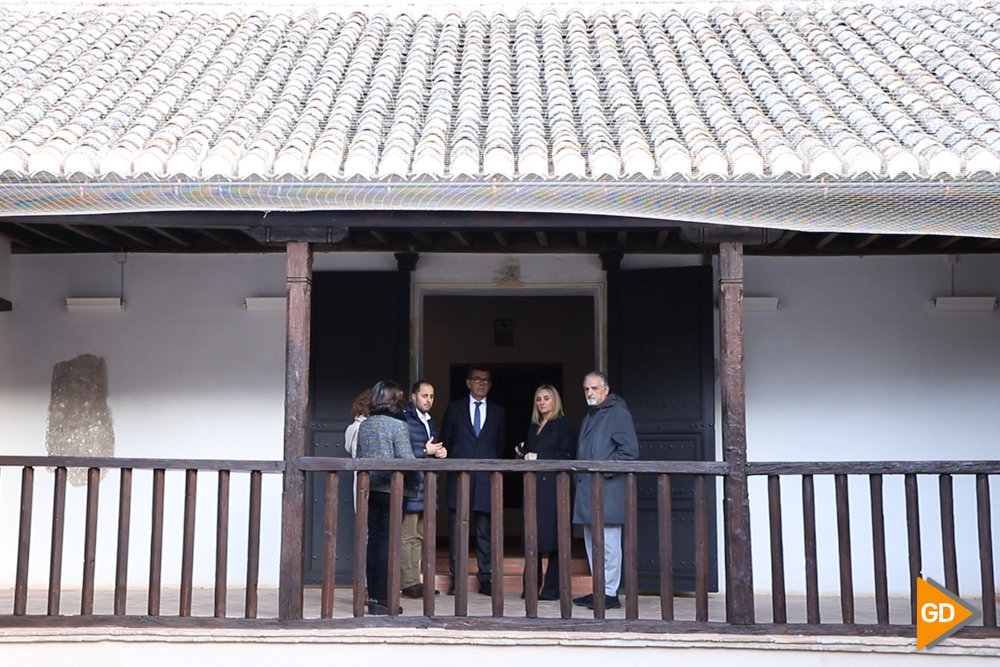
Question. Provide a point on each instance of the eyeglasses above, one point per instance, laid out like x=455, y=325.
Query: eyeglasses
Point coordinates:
x=480, y=380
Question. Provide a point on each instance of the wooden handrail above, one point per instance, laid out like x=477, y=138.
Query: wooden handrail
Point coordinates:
x=327, y=464
x=875, y=468
x=141, y=464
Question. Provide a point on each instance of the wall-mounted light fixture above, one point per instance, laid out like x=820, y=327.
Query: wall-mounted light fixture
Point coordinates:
x=95, y=306
x=964, y=304
x=760, y=304
x=265, y=304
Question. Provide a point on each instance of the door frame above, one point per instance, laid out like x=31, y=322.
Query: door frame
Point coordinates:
x=506, y=288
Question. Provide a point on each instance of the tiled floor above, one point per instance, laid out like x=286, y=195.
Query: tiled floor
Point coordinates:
x=479, y=605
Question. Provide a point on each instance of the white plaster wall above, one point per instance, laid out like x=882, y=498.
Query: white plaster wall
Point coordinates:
x=4, y=268
x=853, y=366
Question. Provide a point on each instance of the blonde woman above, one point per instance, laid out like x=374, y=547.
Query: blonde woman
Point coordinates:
x=550, y=436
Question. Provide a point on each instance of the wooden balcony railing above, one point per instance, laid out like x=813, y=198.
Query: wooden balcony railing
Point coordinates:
x=159, y=468
x=463, y=467
x=911, y=472
x=910, y=477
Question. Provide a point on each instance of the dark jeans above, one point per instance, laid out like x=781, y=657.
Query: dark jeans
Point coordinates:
x=377, y=567
x=481, y=525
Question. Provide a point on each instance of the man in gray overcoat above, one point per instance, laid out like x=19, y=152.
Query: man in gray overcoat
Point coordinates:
x=607, y=434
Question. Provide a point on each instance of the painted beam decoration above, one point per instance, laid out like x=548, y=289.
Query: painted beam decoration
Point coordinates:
x=853, y=118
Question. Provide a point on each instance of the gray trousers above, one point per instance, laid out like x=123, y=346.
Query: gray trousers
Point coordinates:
x=612, y=556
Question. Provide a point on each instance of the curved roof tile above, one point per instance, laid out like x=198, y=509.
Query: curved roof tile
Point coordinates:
x=654, y=92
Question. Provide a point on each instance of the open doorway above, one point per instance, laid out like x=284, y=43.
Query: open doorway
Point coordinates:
x=525, y=341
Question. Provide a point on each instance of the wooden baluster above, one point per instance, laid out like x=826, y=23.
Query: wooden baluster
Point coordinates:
x=430, y=541
x=361, y=544
x=124, y=518
x=187, y=547
x=878, y=547
x=666, y=545
x=986, y=550
x=222, y=545
x=913, y=540
x=394, y=578
x=948, y=534
x=253, y=545
x=530, y=546
x=700, y=549
x=24, y=542
x=564, y=527
x=809, y=541
x=597, y=542
x=90, y=542
x=460, y=533
x=631, y=548
x=496, y=542
x=330, y=544
x=844, y=542
x=58, y=530
x=779, y=610
x=156, y=543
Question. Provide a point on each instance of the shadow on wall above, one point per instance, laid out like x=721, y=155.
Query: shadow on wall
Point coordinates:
x=79, y=419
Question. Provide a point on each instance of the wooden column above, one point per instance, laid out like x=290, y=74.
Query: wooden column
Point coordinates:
x=293, y=500
x=736, y=500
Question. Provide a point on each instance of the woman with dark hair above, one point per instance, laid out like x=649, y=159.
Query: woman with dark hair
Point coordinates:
x=384, y=435
x=550, y=436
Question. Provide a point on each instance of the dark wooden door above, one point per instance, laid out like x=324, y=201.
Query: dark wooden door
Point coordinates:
x=360, y=335
x=661, y=360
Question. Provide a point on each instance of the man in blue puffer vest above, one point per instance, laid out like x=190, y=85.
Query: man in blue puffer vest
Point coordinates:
x=422, y=438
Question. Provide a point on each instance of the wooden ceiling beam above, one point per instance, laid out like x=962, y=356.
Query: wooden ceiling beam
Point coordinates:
x=909, y=240
x=622, y=239
x=501, y=239
x=785, y=238
x=379, y=236
x=945, y=242
x=39, y=232
x=661, y=237
x=95, y=235
x=542, y=238
x=825, y=241
x=462, y=239
x=170, y=236
x=215, y=236
x=130, y=235
x=581, y=239
x=866, y=241
x=423, y=238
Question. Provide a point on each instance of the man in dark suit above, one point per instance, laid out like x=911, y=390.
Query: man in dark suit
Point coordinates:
x=474, y=428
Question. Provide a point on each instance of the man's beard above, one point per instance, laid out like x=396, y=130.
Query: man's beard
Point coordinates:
x=591, y=401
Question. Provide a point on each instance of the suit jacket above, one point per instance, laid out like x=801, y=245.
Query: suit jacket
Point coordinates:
x=462, y=443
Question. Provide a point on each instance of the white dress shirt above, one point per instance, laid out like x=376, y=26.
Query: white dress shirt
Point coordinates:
x=472, y=411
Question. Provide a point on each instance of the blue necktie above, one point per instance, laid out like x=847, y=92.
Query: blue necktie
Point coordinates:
x=477, y=424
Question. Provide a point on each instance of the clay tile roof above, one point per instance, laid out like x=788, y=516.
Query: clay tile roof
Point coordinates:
x=643, y=94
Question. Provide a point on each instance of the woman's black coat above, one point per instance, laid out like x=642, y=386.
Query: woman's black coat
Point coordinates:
x=556, y=441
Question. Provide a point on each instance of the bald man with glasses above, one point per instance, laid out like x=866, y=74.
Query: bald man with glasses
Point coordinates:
x=474, y=428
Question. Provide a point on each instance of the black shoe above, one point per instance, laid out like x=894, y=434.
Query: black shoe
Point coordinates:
x=379, y=609
x=548, y=595
x=610, y=602
x=586, y=600
x=451, y=590
x=486, y=588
